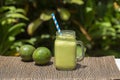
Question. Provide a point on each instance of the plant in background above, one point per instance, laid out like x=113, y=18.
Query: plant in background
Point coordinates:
x=103, y=24
x=46, y=11
x=96, y=22
x=11, y=25
x=42, y=27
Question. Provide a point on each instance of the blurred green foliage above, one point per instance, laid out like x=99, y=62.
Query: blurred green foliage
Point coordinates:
x=96, y=22
x=10, y=26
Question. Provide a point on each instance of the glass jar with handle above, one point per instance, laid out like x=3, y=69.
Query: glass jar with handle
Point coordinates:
x=65, y=49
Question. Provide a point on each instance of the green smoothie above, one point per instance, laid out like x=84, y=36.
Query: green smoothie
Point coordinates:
x=65, y=52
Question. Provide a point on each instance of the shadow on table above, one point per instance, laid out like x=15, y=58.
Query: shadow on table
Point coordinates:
x=80, y=66
x=48, y=64
x=26, y=61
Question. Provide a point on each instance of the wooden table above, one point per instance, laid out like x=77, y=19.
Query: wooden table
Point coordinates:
x=91, y=68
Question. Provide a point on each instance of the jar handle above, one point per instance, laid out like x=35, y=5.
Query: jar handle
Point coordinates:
x=80, y=58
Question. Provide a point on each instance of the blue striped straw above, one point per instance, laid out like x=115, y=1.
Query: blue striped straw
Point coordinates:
x=56, y=23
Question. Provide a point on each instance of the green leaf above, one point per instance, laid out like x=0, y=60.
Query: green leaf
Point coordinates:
x=79, y=2
x=88, y=9
x=11, y=8
x=64, y=14
x=11, y=38
x=33, y=26
x=31, y=41
x=117, y=26
x=105, y=24
x=45, y=16
x=8, y=21
x=118, y=30
x=18, y=31
x=16, y=15
x=20, y=11
x=17, y=26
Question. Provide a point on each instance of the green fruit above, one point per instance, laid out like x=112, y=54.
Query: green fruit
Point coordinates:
x=26, y=52
x=79, y=51
x=64, y=14
x=41, y=55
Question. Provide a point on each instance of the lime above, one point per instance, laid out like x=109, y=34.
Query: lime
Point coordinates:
x=26, y=52
x=41, y=55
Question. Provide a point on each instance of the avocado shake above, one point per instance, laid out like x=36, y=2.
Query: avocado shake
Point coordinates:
x=65, y=50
